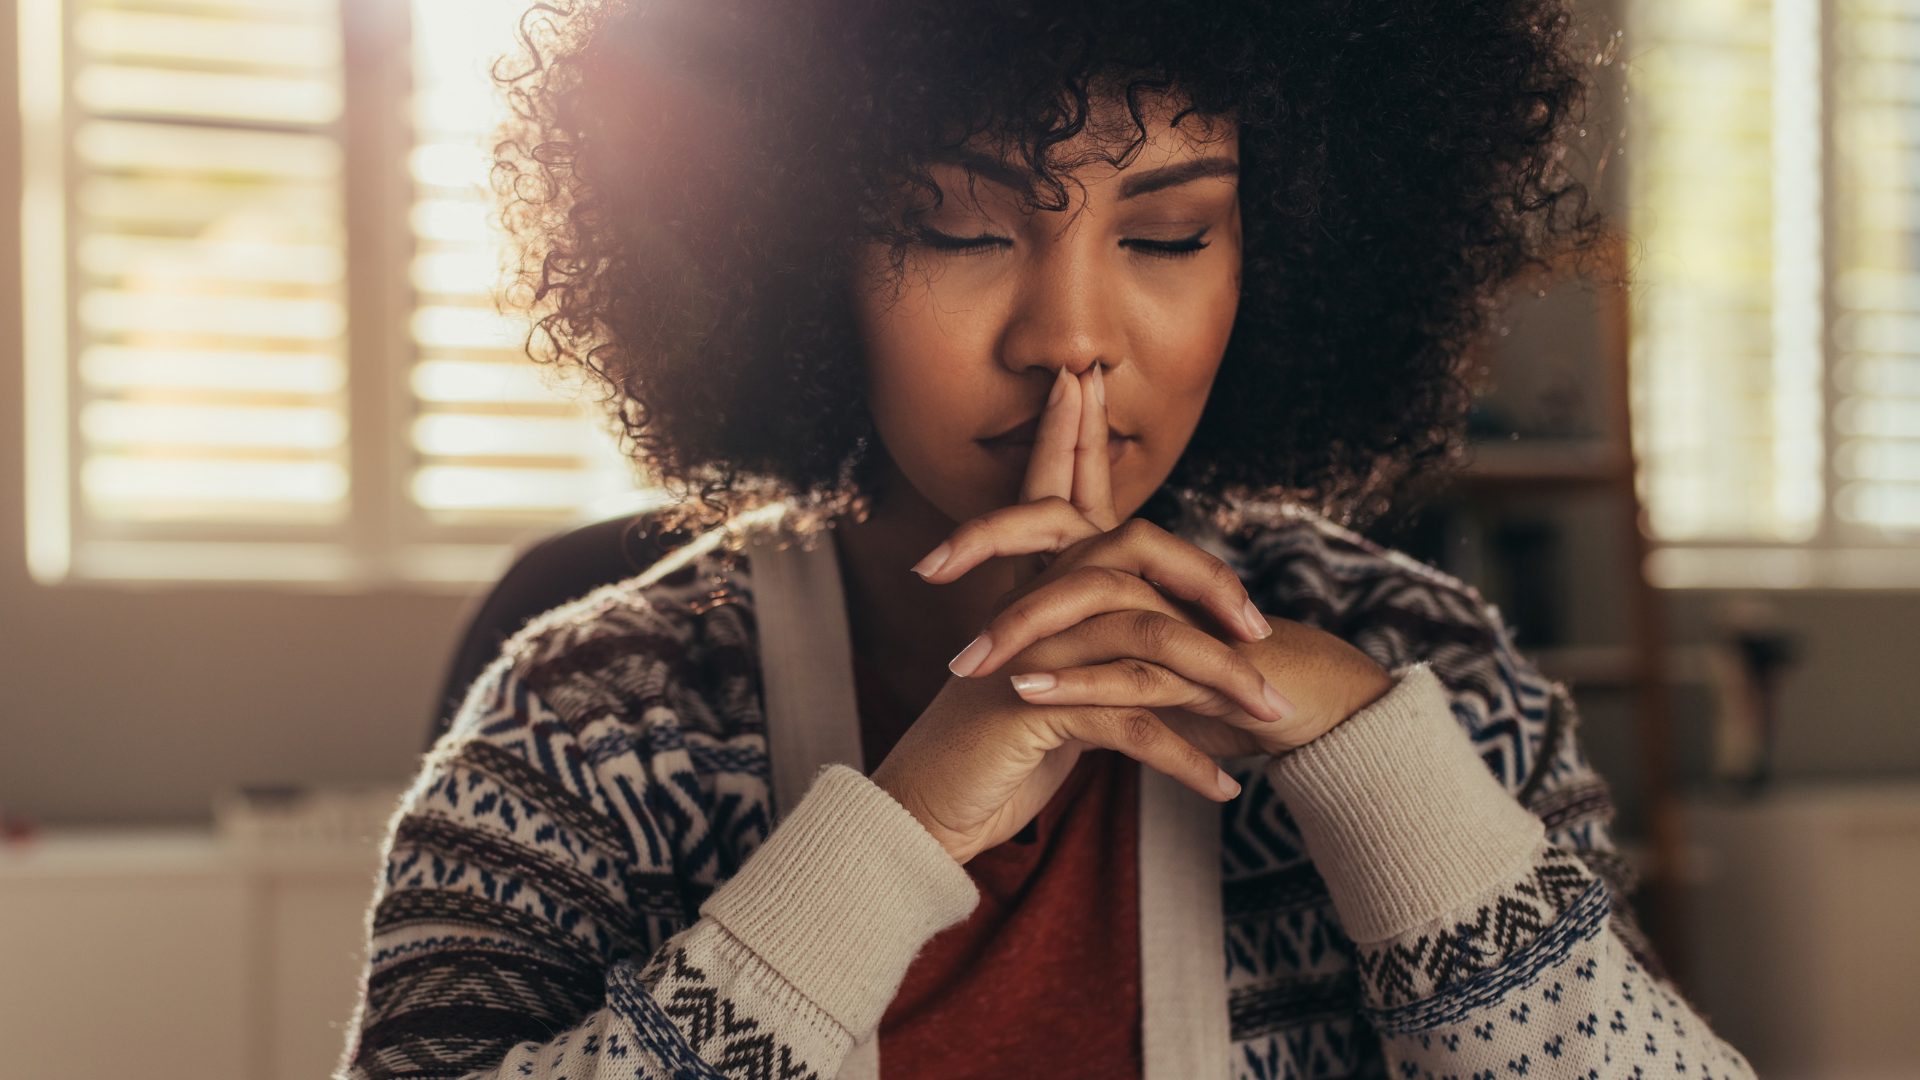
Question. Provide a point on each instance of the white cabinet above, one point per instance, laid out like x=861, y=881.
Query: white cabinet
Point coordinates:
x=177, y=957
x=1806, y=927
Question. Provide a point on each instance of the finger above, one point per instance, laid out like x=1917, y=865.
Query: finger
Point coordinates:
x=1160, y=639
x=1050, y=466
x=1129, y=682
x=1142, y=736
x=1182, y=570
x=1092, y=471
x=1046, y=527
x=1063, y=602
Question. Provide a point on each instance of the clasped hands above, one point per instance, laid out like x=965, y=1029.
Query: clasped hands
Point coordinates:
x=1120, y=636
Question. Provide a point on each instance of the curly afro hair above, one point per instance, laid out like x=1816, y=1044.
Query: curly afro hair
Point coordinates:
x=689, y=180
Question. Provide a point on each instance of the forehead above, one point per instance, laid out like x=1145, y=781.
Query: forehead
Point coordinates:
x=1113, y=145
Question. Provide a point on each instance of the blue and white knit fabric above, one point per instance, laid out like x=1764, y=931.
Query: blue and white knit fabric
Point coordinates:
x=610, y=771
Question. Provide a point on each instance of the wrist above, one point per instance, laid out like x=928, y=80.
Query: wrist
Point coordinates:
x=904, y=792
x=1369, y=683
x=1328, y=679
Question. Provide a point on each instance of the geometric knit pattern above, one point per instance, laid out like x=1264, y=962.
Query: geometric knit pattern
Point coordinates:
x=1425, y=964
x=1295, y=990
x=720, y=1024
x=610, y=770
x=603, y=777
x=1575, y=1005
x=1305, y=1002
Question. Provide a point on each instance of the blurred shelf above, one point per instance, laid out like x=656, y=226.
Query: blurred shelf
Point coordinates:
x=79, y=854
x=1544, y=463
x=1615, y=666
x=1588, y=665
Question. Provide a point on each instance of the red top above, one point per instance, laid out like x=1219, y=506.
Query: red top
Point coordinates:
x=1044, y=978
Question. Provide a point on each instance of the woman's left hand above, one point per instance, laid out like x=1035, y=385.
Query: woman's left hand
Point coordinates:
x=1099, y=566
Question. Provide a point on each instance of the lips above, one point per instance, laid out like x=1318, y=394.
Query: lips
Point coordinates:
x=1015, y=445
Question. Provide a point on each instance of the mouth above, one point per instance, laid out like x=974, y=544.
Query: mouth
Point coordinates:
x=1014, y=446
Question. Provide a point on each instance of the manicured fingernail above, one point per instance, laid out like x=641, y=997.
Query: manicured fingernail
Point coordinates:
x=1277, y=701
x=935, y=559
x=1228, y=785
x=971, y=657
x=1034, y=684
x=1059, y=388
x=1256, y=622
x=1099, y=386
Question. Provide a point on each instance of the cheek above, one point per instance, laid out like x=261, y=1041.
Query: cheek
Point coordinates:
x=911, y=369
x=930, y=395
x=1182, y=352
x=1178, y=353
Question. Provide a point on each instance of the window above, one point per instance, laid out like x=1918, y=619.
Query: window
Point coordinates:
x=494, y=443
x=1776, y=196
x=221, y=384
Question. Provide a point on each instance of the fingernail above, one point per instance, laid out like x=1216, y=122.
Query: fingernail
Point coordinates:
x=1034, y=684
x=1228, y=785
x=971, y=657
x=1059, y=388
x=935, y=559
x=1099, y=386
x=1257, y=622
x=1275, y=699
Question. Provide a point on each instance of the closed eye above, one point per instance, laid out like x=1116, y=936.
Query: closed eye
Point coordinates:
x=1169, y=249
x=940, y=241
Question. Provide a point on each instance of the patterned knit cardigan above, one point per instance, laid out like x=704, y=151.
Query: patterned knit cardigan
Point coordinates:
x=541, y=910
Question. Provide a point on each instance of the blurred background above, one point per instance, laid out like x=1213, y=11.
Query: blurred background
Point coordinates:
x=269, y=442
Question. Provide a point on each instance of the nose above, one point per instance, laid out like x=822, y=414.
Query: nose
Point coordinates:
x=1066, y=313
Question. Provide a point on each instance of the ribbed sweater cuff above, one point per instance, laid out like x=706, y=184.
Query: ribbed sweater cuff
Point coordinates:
x=1402, y=818
x=842, y=897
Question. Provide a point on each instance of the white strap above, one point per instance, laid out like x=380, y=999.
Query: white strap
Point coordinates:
x=806, y=671
x=806, y=665
x=1183, y=988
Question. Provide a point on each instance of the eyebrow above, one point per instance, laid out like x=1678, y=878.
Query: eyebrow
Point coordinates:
x=999, y=171
x=1186, y=172
x=990, y=168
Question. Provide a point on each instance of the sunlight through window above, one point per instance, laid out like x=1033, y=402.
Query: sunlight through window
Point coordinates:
x=207, y=397
x=497, y=437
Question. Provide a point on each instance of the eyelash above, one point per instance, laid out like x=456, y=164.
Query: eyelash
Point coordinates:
x=1169, y=249
x=940, y=241
x=1158, y=249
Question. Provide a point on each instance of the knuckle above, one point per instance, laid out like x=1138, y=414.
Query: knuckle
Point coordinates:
x=1150, y=630
x=1145, y=677
x=974, y=532
x=1136, y=728
x=1046, y=654
x=1137, y=531
x=1015, y=623
x=1036, y=618
x=1222, y=575
x=1108, y=581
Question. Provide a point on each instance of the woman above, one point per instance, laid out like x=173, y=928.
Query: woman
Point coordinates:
x=1026, y=298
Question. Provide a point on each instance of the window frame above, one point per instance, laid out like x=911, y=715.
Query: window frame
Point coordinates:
x=385, y=539
x=1837, y=554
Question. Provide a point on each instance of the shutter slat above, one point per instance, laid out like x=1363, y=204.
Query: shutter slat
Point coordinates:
x=209, y=258
x=1877, y=142
x=501, y=443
